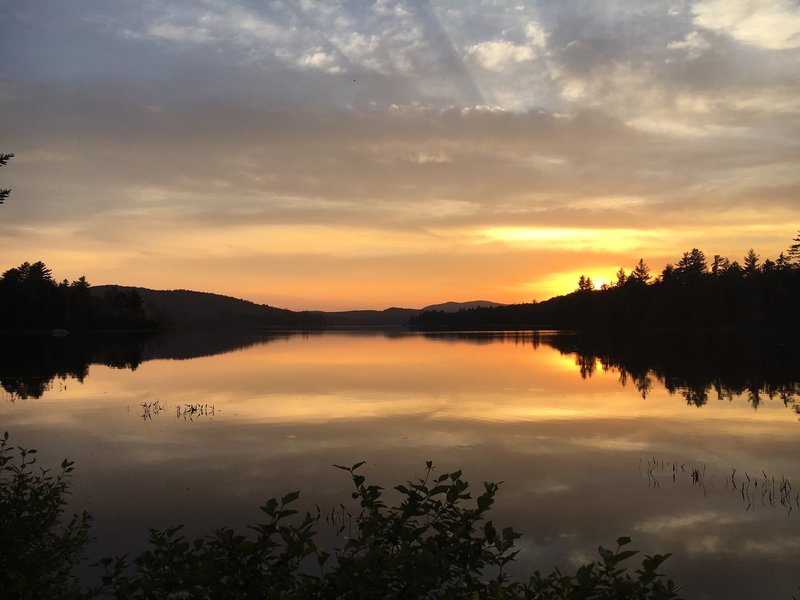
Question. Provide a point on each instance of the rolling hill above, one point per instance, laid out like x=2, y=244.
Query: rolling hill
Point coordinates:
x=186, y=309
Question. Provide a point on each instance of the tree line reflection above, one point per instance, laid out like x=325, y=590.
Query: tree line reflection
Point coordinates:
x=697, y=366
x=30, y=364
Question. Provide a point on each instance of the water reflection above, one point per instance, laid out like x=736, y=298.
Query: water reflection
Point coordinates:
x=274, y=416
x=185, y=412
x=697, y=367
x=29, y=364
x=761, y=491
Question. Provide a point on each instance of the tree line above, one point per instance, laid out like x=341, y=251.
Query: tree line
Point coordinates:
x=32, y=300
x=692, y=292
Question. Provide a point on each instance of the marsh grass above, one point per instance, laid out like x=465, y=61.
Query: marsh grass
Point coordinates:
x=756, y=491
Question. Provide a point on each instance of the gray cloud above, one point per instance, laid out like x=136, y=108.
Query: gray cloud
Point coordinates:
x=397, y=115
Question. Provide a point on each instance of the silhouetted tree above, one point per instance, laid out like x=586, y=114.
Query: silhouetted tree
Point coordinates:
x=4, y=193
x=621, y=278
x=793, y=253
x=719, y=265
x=683, y=296
x=751, y=263
x=734, y=270
x=782, y=262
x=640, y=274
x=668, y=273
x=31, y=299
x=585, y=284
x=691, y=265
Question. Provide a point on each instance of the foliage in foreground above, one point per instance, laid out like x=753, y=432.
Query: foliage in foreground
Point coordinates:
x=37, y=550
x=433, y=543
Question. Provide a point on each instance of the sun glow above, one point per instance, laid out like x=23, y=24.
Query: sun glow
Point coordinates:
x=578, y=239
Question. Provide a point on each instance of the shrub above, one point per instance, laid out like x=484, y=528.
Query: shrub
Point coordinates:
x=38, y=552
x=435, y=542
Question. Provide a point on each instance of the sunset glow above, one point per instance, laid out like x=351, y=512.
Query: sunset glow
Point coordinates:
x=346, y=155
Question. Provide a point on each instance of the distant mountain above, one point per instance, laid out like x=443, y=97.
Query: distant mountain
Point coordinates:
x=185, y=309
x=451, y=307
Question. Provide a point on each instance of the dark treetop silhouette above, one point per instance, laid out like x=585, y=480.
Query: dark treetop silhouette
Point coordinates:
x=32, y=300
x=4, y=193
x=689, y=294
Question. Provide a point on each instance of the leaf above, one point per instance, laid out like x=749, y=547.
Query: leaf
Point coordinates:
x=625, y=555
x=290, y=497
x=489, y=532
x=621, y=541
x=608, y=555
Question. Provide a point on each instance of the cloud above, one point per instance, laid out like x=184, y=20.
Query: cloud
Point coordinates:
x=536, y=34
x=770, y=24
x=693, y=44
x=319, y=59
x=414, y=122
x=180, y=33
x=495, y=55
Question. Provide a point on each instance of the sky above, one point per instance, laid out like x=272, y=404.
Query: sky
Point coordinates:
x=366, y=154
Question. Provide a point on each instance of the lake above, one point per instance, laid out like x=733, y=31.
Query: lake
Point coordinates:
x=688, y=446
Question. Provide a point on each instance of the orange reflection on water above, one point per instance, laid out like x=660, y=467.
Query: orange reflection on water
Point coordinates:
x=319, y=378
x=207, y=439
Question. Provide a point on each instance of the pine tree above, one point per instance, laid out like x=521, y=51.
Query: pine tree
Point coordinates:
x=751, y=262
x=621, y=278
x=692, y=264
x=4, y=193
x=585, y=284
x=793, y=253
x=641, y=273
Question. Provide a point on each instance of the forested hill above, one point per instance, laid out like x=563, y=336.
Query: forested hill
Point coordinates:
x=449, y=307
x=189, y=309
x=692, y=293
x=185, y=309
x=33, y=300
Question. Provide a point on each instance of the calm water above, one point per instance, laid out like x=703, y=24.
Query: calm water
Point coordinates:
x=204, y=429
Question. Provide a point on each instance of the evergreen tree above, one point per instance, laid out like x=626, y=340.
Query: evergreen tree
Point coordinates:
x=793, y=253
x=641, y=273
x=719, y=265
x=585, y=284
x=691, y=265
x=621, y=277
x=4, y=193
x=668, y=274
x=783, y=262
x=751, y=263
